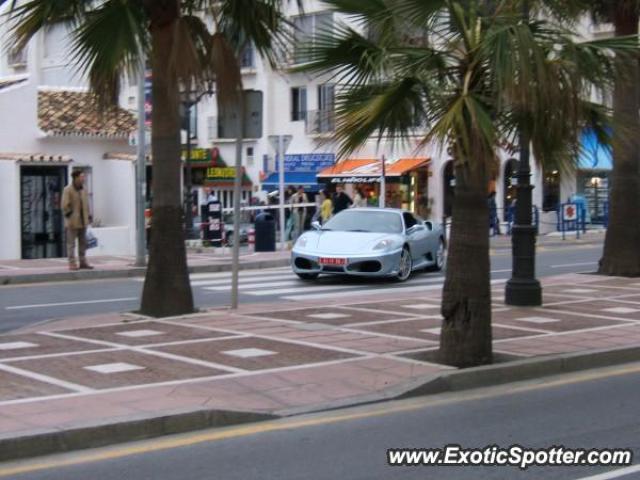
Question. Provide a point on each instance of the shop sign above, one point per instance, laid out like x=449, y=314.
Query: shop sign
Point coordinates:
x=307, y=162
x=220, y=172
x=355, y=180
x=201, y=155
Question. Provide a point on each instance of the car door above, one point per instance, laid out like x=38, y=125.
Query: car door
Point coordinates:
x=417, y=235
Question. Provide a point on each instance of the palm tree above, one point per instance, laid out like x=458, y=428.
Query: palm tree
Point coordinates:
x=109, y=39
x=480, y=74
x=621, y=255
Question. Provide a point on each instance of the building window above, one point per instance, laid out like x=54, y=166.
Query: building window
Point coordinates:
x=228, y=123
x=18, y=57
x=190, y=124
x=250, y=158
x=323, y=120
x=247, y=57
x=298, y=104
x=551, y=190
x=307, y=29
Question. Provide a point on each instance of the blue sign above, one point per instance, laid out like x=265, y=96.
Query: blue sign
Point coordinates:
x=307, y=162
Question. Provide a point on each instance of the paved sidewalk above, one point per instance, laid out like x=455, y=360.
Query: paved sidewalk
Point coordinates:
x=123, y=376
x=209, y=260
x=56, y=269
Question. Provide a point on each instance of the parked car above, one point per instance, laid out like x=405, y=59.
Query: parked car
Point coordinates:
x=369, y=242
x=246, y=224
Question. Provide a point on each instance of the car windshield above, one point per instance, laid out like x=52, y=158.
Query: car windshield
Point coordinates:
x=365, y=221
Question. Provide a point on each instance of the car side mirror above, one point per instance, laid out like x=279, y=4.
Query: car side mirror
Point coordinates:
x=429, y=225
x=316, y=225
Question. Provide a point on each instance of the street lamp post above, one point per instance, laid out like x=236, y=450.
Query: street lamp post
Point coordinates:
x=523, y=289
x=189, y=98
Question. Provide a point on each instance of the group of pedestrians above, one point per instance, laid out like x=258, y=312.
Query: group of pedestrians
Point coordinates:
x=326, y=206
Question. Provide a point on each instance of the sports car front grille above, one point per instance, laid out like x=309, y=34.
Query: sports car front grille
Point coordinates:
x=305, y=264
x=368, y=266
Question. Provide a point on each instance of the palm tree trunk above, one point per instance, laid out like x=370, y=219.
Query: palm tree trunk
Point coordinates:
x=621, y=255
x=167, y=290
x=465, y=339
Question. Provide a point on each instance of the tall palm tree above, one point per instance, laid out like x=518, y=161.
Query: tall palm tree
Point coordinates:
x=621, y=255
x=109, y=39
x=479, y=73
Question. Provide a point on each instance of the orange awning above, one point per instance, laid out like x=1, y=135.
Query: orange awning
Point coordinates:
x=370, y=167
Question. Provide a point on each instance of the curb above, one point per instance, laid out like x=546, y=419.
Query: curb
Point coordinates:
x=521, y=370
x=130, y=272
x=100, y=435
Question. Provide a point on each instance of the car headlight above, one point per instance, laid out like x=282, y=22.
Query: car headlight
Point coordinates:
x=385, y=244
x=302, y=242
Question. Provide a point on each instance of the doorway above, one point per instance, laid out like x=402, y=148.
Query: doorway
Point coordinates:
x=42, y=229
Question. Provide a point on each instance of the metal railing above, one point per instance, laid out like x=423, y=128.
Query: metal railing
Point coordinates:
x=320, y=121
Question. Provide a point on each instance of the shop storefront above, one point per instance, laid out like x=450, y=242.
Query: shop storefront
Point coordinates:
x=211, y=175
x=593, y=177
x=300, y=170
x=406, y=182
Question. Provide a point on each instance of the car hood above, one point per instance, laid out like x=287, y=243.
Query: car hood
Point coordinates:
x=345, y=243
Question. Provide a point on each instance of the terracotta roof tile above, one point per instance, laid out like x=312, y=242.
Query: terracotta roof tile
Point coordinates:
x=35, y=157
x=68, y=112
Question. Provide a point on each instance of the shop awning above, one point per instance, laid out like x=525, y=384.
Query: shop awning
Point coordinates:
x=372, y=167
x=594, y=155
x=305, y=179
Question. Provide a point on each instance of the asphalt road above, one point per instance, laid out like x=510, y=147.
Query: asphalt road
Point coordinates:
x=29, y=304
x=351, y=444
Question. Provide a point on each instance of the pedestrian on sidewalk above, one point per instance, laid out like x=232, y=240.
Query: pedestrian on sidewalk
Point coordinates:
x=299, y=214
x=494, y=221
x=326, y=206
x=359, y=199
x=341, y=201
x=75, y=207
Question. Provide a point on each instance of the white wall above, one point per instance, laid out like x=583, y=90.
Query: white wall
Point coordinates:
x=10, y=211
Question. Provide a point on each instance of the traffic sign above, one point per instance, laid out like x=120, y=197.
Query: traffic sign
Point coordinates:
x=569, y=212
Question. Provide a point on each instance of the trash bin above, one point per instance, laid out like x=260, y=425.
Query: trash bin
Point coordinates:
x=265, y=227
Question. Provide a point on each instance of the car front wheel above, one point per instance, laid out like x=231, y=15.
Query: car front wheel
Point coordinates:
x=405, y=266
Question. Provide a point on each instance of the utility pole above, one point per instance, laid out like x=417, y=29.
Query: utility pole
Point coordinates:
x=141, y=244
x=523, y=289
x=280, y=144
x=383, y=184
x=283, y=244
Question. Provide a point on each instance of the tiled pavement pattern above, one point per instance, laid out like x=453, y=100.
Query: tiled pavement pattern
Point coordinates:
x=263, y=359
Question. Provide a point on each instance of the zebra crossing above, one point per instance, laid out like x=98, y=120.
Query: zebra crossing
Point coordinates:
x=284, y=284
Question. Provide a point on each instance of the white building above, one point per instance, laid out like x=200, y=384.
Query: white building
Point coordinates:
x=50, y=125
x=279, y=102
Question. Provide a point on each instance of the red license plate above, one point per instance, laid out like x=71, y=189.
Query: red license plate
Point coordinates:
x=333, y=261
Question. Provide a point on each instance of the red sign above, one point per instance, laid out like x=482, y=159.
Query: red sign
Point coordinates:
x=333, y=261
x=569, y=212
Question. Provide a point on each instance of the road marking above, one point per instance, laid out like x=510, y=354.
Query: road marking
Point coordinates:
x=564, y=265
x=252, y=278
x=64, y=304
x=621, y=472
x=314, y=420
x=74, y=387
x=277, y=291
x=285, y=283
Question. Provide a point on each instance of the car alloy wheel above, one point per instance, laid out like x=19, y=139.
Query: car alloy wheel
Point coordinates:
x=440, y=256
x=405, y=266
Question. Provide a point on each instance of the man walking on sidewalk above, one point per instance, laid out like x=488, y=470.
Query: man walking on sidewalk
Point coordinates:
x=75, y=207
